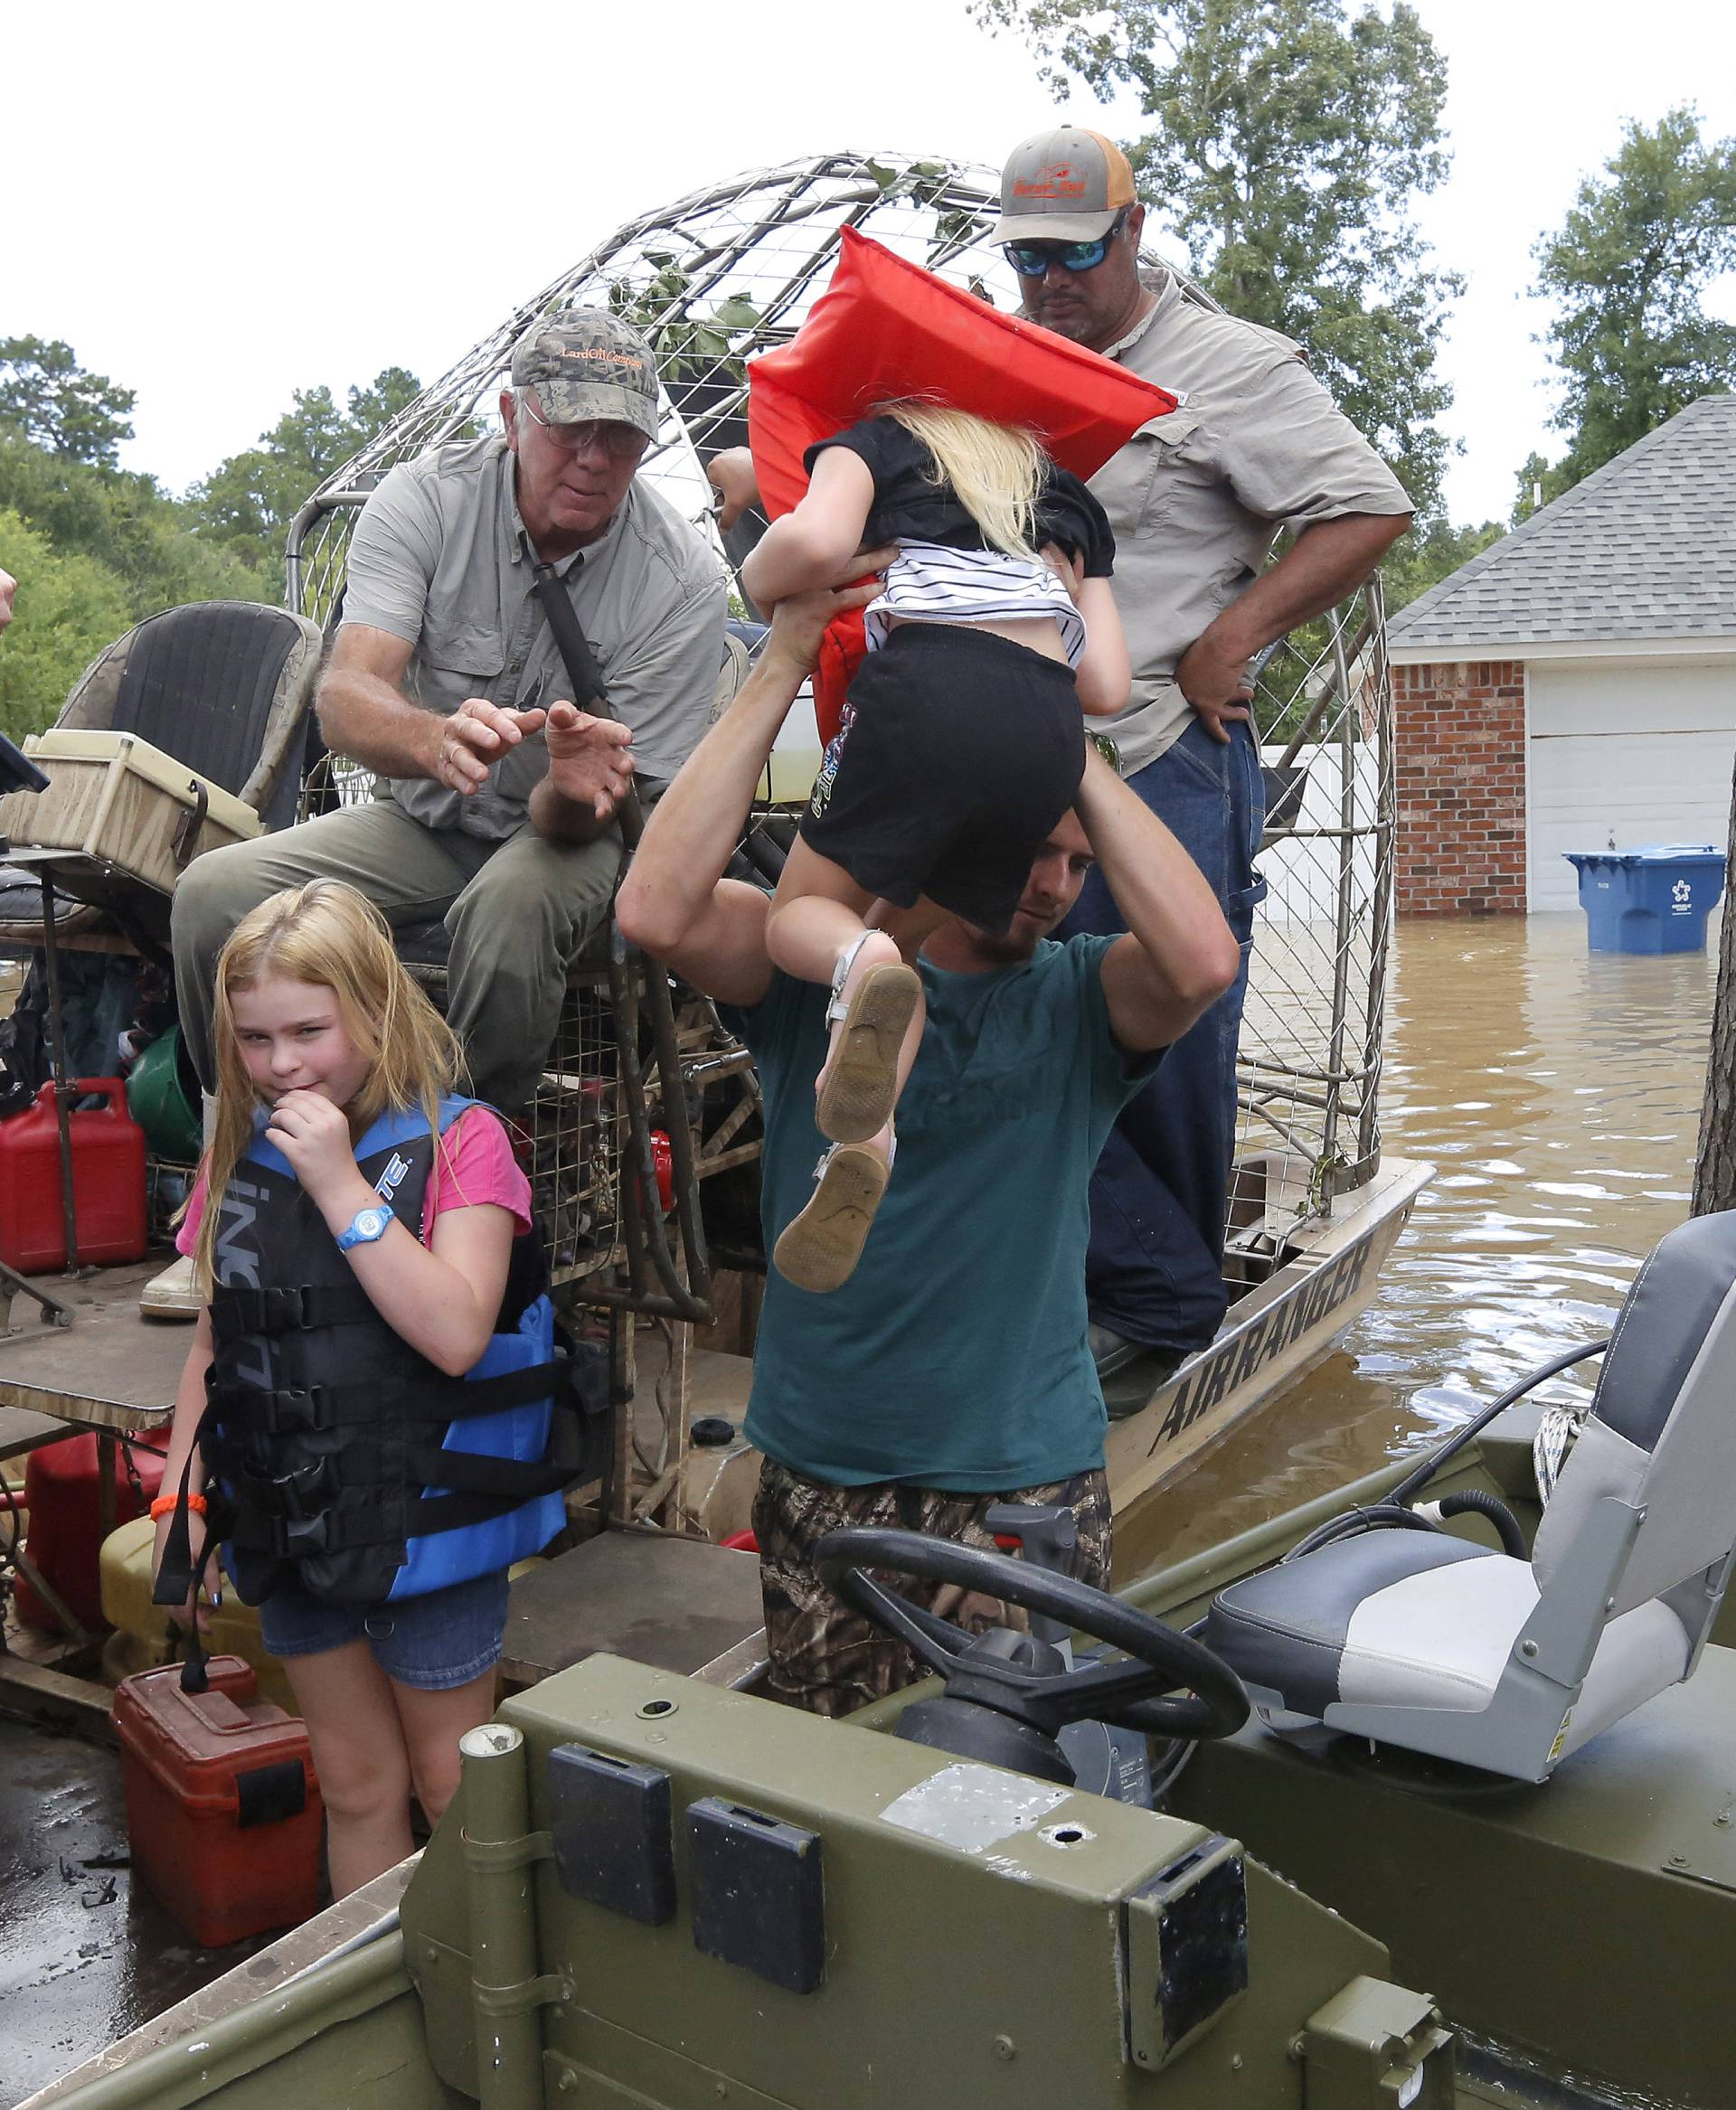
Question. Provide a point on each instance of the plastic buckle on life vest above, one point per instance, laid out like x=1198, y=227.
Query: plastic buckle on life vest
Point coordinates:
x=301, y=1535
x=295, y=1409
x=284, y=1310
x=305, y=1492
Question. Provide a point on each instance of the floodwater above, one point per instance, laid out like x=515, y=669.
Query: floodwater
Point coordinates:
x=1557, y=1093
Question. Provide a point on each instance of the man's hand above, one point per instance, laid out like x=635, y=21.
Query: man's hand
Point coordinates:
x=1217, y=684
x=475, y=737
x=590, y=759
x=732, y=473
x=8, y=587
x=800, y=620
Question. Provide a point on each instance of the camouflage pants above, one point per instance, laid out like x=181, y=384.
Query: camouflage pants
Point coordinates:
x=831, y=1660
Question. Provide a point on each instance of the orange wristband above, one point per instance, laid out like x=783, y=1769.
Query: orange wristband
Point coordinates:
x=166, y=1503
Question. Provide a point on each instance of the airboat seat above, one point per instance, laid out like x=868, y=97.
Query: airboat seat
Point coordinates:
x=225, y=688
x=1431, y=1643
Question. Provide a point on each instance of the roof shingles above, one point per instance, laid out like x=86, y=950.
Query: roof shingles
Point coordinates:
x=1646, y=547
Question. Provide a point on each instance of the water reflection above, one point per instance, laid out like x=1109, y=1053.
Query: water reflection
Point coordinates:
x=1557, y=1093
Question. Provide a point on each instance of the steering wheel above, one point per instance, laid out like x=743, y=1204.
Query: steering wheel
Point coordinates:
x=1124, y=1693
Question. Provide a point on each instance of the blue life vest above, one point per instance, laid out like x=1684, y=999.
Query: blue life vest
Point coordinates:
x=345, y=1461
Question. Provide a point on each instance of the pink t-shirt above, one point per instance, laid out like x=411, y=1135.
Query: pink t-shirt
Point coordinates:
x=473, y=1164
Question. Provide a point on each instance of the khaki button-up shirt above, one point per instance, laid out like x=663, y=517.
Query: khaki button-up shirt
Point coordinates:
x=438, y=559
x=1197, y=498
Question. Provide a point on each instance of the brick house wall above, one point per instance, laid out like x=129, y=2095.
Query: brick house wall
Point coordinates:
x=1459, y=751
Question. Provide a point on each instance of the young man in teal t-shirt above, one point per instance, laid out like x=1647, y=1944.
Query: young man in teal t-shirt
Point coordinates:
x=951, y=1370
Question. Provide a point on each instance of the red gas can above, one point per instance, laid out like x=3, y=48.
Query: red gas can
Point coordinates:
x=65, y=1538
x=108, y=1182
x=222, y=1805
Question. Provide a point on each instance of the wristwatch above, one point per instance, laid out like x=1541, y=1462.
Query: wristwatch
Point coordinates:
x=365, y=1226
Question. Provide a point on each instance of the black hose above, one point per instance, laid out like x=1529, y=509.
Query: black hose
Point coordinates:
x=1380, y=1516
x=1412, y=1485
x=1479, y=1501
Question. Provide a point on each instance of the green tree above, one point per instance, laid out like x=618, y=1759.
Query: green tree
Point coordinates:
x=1290, y=140
x=1628, y=271
x=69, y=607
x=125, y=524
x=47, y=398
x=247, y=503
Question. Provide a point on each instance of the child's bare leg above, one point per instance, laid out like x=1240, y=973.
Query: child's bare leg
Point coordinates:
x=360, y=1755
x=817, y=930
x=432, y=1724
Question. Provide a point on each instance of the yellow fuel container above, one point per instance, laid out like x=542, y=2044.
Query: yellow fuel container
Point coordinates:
x=141, y=1635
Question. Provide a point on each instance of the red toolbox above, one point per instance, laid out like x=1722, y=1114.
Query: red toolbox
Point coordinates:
x=108, y=1182
x=65, y=1536
x=222, y=1805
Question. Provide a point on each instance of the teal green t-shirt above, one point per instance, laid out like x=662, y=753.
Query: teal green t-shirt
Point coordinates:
x=955, y=1357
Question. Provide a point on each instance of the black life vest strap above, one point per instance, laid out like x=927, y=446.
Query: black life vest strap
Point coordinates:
x=178, y=1577
x=324, y=1406
x=333, y=1530
x=236, y=1312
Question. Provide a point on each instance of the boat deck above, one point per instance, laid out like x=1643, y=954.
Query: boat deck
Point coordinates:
x=111, y=1367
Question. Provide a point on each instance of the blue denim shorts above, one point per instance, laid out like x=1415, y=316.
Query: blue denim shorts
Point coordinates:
x=433, y=1643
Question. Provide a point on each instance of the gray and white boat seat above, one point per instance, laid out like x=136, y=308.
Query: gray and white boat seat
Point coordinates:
x=1431, y=1643
x=225, y=687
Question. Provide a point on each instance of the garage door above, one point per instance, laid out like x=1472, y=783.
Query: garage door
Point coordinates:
x=1621, y=755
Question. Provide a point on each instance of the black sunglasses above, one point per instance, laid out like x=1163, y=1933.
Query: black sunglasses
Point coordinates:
x=1030, y=259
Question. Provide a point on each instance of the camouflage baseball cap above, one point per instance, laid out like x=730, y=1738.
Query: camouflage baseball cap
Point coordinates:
x=584, y=364
x=1064, y=185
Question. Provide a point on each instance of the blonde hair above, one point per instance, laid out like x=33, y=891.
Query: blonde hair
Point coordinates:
x=996, y=471
x=328, y=935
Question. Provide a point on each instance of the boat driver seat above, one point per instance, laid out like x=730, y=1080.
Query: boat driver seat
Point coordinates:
x=1429, y=1642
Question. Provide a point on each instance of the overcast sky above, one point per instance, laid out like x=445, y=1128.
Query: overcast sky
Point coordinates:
x=217, y=205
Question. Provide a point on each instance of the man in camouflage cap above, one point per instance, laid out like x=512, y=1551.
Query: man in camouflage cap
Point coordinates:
x=495, y=799
x=1195, y=499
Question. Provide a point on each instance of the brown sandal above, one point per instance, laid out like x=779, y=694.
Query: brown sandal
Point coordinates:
x=859, y=1084
x=819, y=1248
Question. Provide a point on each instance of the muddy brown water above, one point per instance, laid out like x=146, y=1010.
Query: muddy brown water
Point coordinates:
x=1557, y=1093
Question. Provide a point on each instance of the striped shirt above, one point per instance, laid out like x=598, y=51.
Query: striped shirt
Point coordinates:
x=928, y=582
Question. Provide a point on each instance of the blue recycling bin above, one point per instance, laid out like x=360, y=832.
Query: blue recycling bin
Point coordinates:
x=1654, y=899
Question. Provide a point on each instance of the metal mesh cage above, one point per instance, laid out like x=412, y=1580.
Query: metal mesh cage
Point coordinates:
x=576, y=1124
x=1309, y=1057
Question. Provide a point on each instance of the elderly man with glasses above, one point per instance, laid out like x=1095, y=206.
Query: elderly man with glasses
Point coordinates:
x=495, y=799
x=1196, y=499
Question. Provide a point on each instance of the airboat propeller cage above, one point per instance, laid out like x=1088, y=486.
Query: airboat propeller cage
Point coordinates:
x=885, y=328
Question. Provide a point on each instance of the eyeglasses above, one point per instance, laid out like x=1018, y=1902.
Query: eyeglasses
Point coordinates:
x=1030, y=259
x=617, y=440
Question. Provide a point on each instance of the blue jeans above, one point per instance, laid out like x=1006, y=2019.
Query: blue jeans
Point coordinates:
x=435, y=1641
x=1154, y=1271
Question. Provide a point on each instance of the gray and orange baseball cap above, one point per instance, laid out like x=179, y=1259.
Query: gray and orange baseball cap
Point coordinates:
x=585, y=363
x=1064, y=185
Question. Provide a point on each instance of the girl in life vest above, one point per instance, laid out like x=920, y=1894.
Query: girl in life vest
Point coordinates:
x=960, y=747
x=362, y=1417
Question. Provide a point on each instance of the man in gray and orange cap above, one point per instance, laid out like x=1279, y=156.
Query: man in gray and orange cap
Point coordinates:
x=1195, y=499
x=493, y=797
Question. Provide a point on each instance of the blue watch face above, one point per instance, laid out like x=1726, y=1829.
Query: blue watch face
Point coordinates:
x=365, y=1226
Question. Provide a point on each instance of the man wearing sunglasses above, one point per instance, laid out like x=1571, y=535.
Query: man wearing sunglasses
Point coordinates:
x=494, y=799
x=1195, y=499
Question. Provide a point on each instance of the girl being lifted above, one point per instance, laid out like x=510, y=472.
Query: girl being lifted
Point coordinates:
x=960, y=747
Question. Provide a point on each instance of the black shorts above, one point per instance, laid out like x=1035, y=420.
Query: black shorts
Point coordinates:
x=959, y=753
